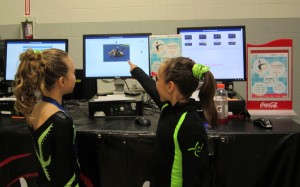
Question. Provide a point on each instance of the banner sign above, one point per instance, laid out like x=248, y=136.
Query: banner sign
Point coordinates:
x=269, y=68
x=163, y=47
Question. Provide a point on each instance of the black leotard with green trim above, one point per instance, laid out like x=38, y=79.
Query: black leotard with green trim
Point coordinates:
x=55, y=147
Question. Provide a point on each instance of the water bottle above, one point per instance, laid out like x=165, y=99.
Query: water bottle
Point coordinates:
x=221, y=102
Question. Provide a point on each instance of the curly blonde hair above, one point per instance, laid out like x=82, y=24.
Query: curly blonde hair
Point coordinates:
x=37, y=73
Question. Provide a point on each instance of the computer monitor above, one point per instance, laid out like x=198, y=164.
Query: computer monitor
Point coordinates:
x=105, y=56
x=223, y=48
x=14, y=47
x=2, y=47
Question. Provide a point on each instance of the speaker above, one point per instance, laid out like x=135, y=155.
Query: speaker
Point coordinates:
x=84, y=89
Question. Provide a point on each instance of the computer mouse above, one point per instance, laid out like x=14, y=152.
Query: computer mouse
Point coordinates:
x=263, y=122
x=141, y=120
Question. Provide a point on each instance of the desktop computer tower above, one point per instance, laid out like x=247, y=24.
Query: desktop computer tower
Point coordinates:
x=84, y=89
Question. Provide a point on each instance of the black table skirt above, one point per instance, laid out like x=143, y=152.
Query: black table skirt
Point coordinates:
x=117, y=152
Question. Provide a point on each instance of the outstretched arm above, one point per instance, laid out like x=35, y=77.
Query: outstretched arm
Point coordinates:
x=147, y=82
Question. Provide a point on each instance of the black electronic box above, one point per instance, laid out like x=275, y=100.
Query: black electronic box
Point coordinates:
x=115, y=105
x=7, y=106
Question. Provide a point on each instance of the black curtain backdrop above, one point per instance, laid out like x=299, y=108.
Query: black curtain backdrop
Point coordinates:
x=112, y=153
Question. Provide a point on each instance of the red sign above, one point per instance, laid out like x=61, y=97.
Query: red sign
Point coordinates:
x=27, y=7
x=269, y=68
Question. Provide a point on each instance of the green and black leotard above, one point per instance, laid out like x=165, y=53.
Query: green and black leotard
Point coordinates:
x=181, y=156
x=55, y=147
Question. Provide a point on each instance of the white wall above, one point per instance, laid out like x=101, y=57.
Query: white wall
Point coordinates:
x=69, y=11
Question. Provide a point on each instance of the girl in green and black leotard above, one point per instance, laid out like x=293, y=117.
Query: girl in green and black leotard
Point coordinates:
x=181, y=152
x=42, y=78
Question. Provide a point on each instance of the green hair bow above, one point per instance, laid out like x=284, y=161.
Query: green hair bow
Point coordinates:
x=37, y=51
x=199, y=70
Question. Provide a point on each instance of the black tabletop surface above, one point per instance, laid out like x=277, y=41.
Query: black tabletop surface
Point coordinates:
x=126, y=125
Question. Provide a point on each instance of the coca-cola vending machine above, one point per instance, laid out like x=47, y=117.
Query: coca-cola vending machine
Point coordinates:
x=269, y=83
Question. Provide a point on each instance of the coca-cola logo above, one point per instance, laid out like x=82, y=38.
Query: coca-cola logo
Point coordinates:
x=269, y=105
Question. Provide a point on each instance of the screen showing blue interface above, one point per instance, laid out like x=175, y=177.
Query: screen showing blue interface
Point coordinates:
x=220, y=48
x=15, y=47
x=106, y=56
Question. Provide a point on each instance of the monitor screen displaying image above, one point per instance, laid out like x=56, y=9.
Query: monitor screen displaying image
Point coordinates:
x=106, y=55
x=14, y=48
x=222, y=48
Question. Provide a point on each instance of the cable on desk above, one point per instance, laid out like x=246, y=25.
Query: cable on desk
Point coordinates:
x=149, y=104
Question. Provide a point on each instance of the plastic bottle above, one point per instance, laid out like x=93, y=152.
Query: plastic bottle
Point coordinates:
x=221, y=102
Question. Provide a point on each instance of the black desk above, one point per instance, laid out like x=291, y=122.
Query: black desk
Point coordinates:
x=117, y=152
x=248, y=156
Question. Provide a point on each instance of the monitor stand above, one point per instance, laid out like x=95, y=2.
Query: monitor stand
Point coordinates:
x=119, y=87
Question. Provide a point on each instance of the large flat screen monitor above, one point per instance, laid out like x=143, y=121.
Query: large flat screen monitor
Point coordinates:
x=105, y=55
x=223, y=48
x=15, y=47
